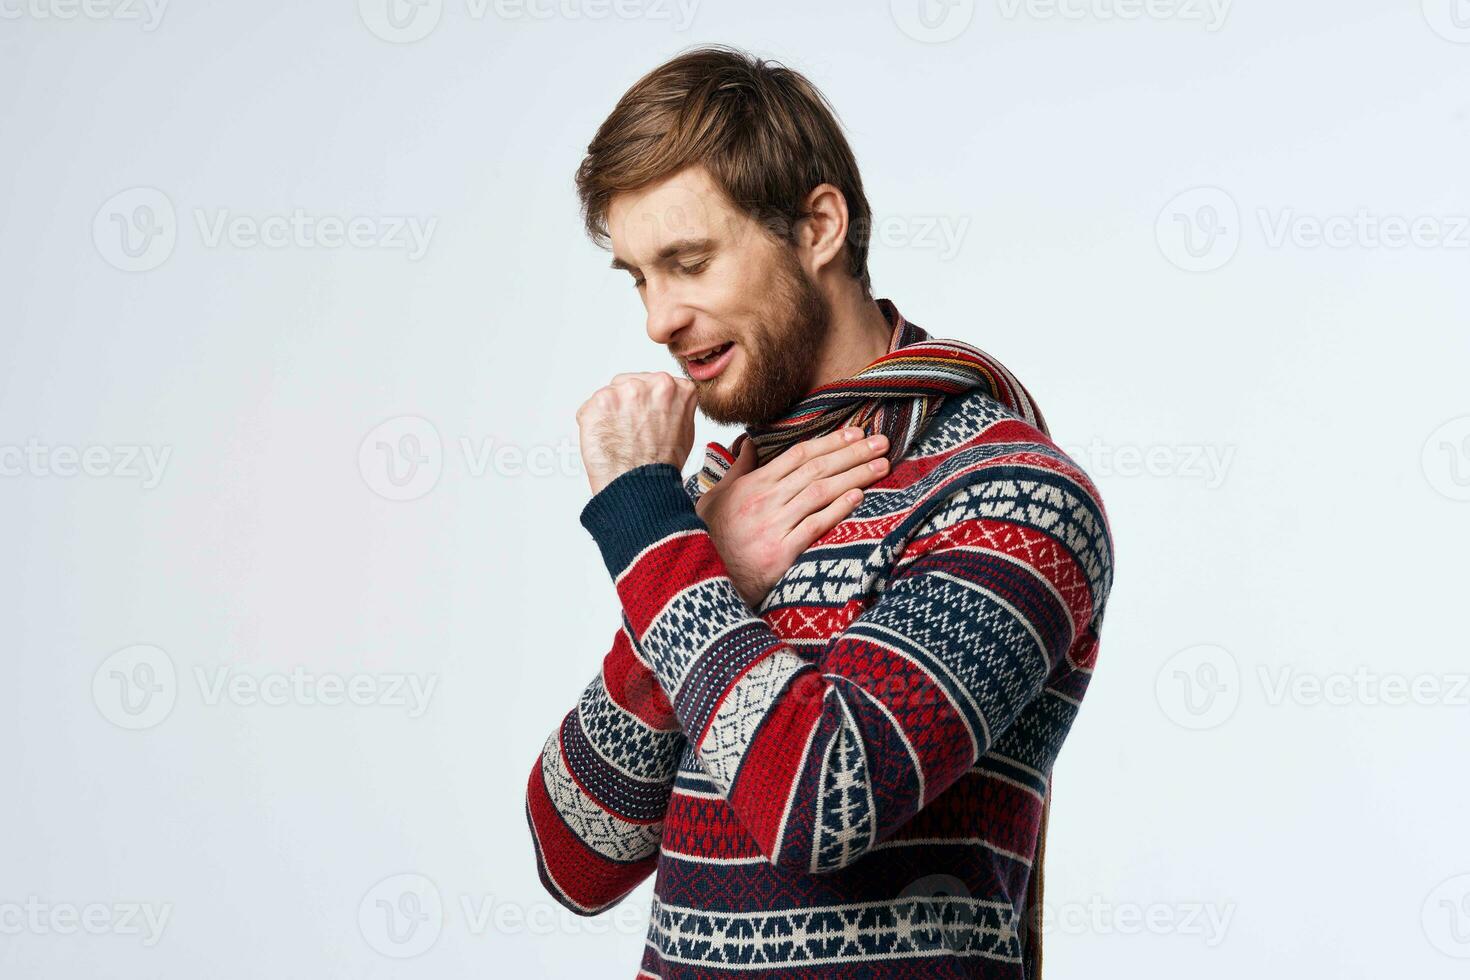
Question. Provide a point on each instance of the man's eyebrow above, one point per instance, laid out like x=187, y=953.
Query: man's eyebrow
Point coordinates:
x=677, y=247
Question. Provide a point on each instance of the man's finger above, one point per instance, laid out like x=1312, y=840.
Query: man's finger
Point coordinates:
x=814, y=525
x=630, y=375
x=849, y=457
x=810, y=449
x=817, y=494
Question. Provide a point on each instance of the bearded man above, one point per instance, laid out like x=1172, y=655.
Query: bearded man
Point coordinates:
x=853, y=642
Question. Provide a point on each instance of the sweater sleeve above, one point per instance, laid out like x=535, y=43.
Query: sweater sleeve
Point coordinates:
x=596, y=797
x=999, y=587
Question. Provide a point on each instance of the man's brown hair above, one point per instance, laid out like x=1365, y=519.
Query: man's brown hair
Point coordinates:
x=764, y=133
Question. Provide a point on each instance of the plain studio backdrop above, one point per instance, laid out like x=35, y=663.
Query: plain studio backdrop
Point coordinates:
x=297, y=311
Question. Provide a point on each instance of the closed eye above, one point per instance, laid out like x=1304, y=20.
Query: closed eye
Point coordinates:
x=687, y=270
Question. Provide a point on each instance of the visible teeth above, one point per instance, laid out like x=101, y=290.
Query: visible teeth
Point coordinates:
x=711, y=355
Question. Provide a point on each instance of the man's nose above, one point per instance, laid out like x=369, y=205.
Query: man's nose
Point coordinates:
x=666, y=316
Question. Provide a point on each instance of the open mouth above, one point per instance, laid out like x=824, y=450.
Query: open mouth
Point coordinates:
x=711, y=363
x=712, y=355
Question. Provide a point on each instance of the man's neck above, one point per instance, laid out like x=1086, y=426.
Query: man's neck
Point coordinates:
x=859, y=335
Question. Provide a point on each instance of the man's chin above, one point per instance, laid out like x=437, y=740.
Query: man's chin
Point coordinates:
x=719, y=398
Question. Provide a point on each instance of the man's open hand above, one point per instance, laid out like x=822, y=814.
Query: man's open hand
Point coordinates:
x=637, y=418
x=762, y=518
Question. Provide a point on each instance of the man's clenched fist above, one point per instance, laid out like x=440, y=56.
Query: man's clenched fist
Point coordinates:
x=637, y=418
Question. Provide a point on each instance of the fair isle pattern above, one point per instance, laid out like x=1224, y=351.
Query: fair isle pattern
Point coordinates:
x=599, y=829
x=896, y=395
x=590, y=850
x=871, y=749
x=624, y=740
x=847, y=798
x=864, y=933
x=729, y=734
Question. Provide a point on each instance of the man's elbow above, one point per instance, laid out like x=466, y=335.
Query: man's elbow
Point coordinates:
x=566, y=902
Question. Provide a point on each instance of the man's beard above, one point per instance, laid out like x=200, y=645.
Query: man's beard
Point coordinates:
x=780, y=354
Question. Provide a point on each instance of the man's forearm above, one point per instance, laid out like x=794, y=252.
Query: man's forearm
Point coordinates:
x=596, y=797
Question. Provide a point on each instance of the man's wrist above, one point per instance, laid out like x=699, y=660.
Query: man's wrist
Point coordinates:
x=637, y=508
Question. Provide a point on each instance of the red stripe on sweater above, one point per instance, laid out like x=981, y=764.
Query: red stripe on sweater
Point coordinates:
x=703, y=827
x=633, y=687
x=1033, y=548
x=770, y=765
x=812, y=622
x=1005, y=816
x=927, y=719
x=583, y=875
x=674, y=564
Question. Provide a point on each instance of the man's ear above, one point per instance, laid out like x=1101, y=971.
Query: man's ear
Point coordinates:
x=822, y=235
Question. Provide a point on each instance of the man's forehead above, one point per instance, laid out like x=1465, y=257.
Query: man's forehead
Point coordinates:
x=686, y=205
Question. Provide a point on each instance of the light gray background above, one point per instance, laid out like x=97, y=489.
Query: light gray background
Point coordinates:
x=1095, y=193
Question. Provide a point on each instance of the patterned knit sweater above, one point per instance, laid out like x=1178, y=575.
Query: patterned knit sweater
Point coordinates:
x=848, y=781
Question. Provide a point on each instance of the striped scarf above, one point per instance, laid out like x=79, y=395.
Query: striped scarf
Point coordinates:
x=896, y=396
